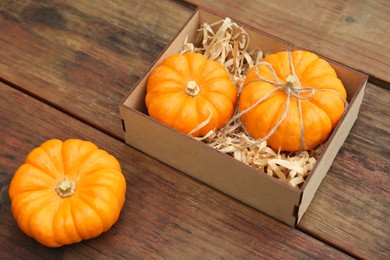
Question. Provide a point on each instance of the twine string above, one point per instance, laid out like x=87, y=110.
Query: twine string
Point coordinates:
x=302, y=128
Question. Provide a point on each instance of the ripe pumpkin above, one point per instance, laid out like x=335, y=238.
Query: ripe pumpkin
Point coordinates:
x=66, y=192
x=313, y=85
x=187, y=89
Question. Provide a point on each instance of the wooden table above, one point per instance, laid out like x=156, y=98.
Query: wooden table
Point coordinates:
x=65, y=66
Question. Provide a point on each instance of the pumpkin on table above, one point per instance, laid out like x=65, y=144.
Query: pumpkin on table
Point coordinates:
x=66, y=192
x=186, y=90
x=311, y=89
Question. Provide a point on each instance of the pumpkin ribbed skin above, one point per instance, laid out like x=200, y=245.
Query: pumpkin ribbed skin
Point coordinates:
x=95, y=205
x=169, y=101
x=320, y=113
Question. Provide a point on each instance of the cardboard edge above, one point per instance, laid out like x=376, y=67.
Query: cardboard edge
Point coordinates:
x=307, y=191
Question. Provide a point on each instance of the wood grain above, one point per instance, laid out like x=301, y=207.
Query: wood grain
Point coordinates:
x=83, y=57
x=355, y=33
x=166, y=213
x=88, y=52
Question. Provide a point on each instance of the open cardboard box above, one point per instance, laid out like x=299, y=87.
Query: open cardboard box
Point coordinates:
x=221, y=171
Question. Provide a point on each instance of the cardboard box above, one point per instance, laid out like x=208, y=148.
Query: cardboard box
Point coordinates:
x=222, y=171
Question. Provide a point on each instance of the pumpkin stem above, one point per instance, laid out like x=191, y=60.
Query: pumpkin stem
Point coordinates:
x=292, y=81
x=192, y=88
x=66, y=188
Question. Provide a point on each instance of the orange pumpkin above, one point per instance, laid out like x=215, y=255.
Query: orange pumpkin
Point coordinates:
x=187, y=90
x=66, y=192
x=312, y=91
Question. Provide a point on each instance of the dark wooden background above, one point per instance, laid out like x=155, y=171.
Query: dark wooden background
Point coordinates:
x=65, y=66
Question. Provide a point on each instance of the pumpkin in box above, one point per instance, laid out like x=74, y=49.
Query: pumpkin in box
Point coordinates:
x=187, y=90
x=293, y=100
x=66, y=192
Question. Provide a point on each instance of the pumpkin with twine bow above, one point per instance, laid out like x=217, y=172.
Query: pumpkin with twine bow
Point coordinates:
x=293, y=100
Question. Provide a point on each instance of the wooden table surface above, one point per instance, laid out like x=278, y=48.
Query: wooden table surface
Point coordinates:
x=65, y=67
